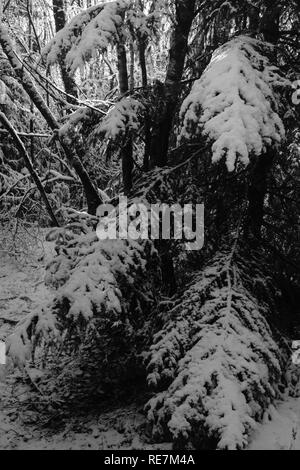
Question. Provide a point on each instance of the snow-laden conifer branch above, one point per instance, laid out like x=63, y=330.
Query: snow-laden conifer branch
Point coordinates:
x=125, y=116
x=91, y=31
x=104, y=289
x=106, y=24
x=235, y=104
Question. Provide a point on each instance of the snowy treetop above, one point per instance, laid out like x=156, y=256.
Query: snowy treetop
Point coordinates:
x=234, y=103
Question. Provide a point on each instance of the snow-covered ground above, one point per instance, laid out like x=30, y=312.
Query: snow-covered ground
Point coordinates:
x=281, y=430
x=24, y=427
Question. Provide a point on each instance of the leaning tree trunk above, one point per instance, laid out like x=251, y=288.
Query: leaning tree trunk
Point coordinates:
x=92, y=195
x=23, y=153
x=60, y=22
x=185, y=11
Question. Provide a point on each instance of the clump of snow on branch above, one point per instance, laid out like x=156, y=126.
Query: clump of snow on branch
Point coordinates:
x=82, y=116
x=124, y=116
x=216, y=364
x=234, y=104
x=95, y=29
x=20, y=345
x=86, y=34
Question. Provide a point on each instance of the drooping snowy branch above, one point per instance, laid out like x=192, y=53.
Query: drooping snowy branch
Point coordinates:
x=234, y=104
x=95, y=29
x=102, y=287
x=124, y=117
x=91, y=31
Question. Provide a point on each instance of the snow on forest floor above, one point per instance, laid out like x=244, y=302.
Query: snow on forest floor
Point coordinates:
x=25, y=425
x=282, y=431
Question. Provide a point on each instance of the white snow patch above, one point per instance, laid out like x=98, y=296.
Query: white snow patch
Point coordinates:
x=281, y=429
x=234, y=103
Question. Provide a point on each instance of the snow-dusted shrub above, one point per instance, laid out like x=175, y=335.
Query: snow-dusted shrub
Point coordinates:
x=101, y=309
x=216, y=364
x=235, y=104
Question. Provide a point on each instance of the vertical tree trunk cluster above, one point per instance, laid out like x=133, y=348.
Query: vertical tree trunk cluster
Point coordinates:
x=185, y=12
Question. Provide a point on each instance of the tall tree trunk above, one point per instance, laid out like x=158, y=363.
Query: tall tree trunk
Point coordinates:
x=142, y=57
x=122, y=69
x=23, y=153
x=269, y=27
x=92, y=195
x=253, y=18
x=132, y=58
x=30, y=45
x=127, y=149
x=60, y=22
x=185, y=10
x=143, y=65
x=257, y=194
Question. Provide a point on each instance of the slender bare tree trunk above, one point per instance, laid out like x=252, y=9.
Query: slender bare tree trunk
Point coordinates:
x=30, y=44
x=122, y=69
x=132, y=58
x=92, y=195
x=127, y=149
x=142, y=57
x=23, y=153
x=143, y=65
